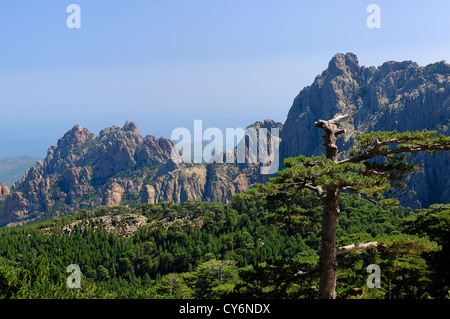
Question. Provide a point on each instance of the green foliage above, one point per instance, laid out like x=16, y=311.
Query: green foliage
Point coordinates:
x=42, y=280
x=244, y=249
x=402, y=140
x=302, y=175
x=216, y=278
x=434, y=223
x=211, y=231
x=174, y=286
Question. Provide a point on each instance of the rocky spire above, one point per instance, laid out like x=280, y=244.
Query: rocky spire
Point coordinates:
x=130, y=127
x=4, y=190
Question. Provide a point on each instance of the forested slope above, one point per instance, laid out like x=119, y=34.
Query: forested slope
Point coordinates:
x=217, y=250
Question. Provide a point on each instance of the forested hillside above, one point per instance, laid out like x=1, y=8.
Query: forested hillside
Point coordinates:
x=217, y=250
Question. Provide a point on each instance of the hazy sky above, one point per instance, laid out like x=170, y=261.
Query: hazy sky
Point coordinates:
x=165, y=63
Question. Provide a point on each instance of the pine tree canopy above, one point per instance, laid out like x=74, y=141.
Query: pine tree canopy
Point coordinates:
x=356, y=174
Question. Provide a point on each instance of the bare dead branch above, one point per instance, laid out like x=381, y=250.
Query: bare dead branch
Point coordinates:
x=374, y=172
x=317, y=189
x=359, y=246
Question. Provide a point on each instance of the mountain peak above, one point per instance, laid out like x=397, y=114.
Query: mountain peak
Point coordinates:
x=343, y=64
x=75, y=137
x=267, y=124
x=130, y=127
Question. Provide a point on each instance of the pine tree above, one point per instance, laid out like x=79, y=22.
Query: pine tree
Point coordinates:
x=434, y=223
x=215, y=278
x=328, y=177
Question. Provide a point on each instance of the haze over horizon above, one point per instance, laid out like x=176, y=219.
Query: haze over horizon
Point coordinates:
x=165, y=63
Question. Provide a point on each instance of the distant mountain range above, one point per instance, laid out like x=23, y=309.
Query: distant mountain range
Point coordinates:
x=117, y=167
x=122, y=167
x=12, y=169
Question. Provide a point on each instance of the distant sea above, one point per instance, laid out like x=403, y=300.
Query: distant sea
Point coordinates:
x=13, y=168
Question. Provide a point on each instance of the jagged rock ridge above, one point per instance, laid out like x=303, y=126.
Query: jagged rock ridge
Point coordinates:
x=117, y=167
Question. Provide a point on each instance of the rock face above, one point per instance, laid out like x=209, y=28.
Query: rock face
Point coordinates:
x=4, y=190
x=123, y=225
x=118, y=167
x=397, y=96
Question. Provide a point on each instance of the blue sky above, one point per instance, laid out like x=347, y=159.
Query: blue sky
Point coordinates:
x=165, y=63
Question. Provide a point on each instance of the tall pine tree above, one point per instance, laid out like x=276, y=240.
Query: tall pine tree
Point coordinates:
x=376, y=165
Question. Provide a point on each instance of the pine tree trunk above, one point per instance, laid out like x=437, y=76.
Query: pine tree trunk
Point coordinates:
x=327, y=263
